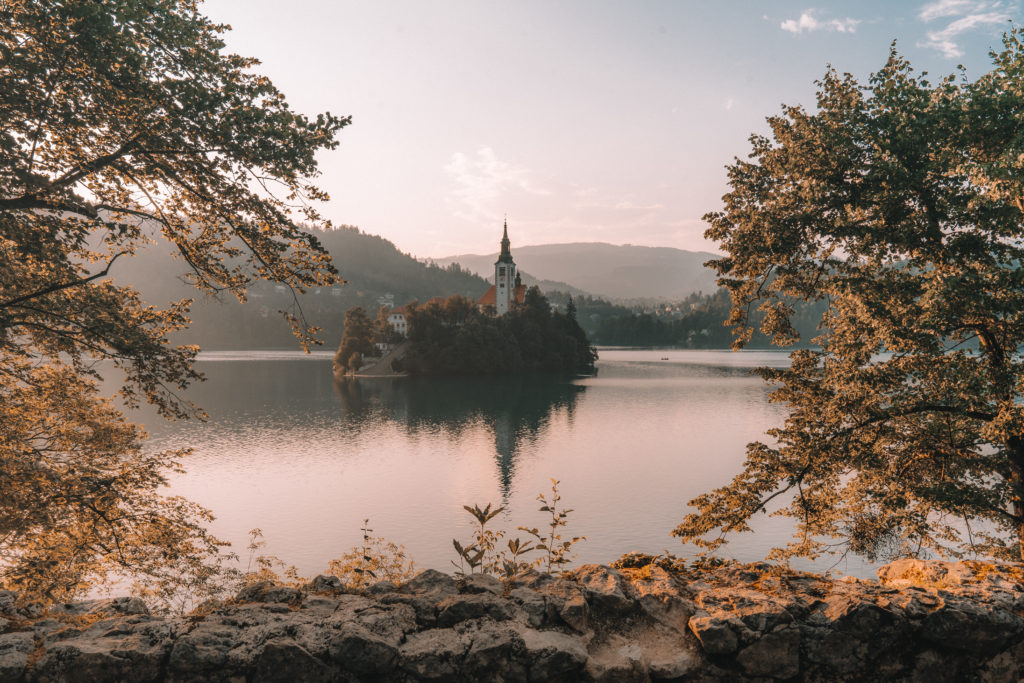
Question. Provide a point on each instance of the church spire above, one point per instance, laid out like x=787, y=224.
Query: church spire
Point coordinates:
x=506, y=254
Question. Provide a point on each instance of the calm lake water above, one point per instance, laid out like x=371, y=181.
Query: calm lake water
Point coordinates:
x=306, y=459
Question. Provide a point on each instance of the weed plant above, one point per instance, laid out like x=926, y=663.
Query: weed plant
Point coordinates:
x=480, y=556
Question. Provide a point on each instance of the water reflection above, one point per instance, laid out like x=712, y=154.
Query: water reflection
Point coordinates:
x=515, y=410
x=306, y=459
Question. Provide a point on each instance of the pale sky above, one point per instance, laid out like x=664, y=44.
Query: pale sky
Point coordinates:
x=582, y=120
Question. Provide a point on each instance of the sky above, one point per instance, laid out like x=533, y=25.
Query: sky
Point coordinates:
x=579, y=120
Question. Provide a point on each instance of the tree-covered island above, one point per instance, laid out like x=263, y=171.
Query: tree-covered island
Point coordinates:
x=456, y=336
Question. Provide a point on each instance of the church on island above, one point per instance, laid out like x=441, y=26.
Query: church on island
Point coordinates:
x=508, y=287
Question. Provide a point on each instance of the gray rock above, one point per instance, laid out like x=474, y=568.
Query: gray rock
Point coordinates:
x=265, y=591
x=325, y=583
x=435, y=654
x=532, y=604
x=716, y=636
x=431, y=581
x=775, y=654
x=556, y=594
x=14, y=651
x=491, y=654
x=285, y=661
x=391, y=623
x=115, y=650
x=423, y=606
x=7, y=602
x=604, y=588
x=202, y=650
x=551, y=654
x=971, y=628
x=576, y=613
x=618, y=662
x=856, y=616
x=672, y=664
x=458, y=608
x=658, y=596
x=107, y=606
x=744, y=628
x=355, y=649
x=482, y=583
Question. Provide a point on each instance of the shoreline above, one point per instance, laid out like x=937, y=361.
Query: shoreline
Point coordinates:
x=641, y=619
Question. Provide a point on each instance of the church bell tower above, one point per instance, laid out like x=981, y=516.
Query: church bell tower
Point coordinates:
x=505, y=280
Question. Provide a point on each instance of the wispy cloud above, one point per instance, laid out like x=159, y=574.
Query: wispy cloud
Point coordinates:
x=808, y=22
x=481, y=179
x=969, y=15
x=945, y=8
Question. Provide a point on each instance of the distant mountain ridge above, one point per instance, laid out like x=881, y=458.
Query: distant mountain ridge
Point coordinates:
x=608, y=270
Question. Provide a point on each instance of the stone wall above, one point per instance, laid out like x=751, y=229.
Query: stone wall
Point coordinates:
x=925, y=621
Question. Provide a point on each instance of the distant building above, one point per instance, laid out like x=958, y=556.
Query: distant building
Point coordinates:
x=508, y=285
x=398, y=318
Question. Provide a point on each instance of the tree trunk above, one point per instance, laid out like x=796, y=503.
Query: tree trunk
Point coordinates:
x=1015, y=449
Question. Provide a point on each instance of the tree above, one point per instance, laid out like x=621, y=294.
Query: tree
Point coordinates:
x=122, y=122
x=356, y=340
x=898, y=205
x=383, y=331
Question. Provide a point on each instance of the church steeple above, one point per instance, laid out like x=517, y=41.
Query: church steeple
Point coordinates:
x=506, y=279
x=506, y=254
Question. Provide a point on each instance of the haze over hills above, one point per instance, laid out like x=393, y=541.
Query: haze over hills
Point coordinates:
x=378, y=272
x=613, y=271
x=373, y=267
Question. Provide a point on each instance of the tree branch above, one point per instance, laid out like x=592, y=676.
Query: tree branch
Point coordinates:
x=67, y=285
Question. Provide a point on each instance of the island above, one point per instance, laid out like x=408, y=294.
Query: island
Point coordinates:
x=511, y=329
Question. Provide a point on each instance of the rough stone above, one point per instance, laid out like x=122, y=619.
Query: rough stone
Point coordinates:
x=618, y=661
x=356, y=649
x=325, y=583
x=482, y=583
x=532, y=604
x=458, y=608
x=575, y=612
x=431, y=581
x=14, y=651
x=491, y=656
x=714, y=621
x=265, y=591
x=775, y=654
x=604, y=588
x=7, y=607
x=435, y=654
x=285, y=661
x=716, y=636
x=552, y=654
x=107, y=606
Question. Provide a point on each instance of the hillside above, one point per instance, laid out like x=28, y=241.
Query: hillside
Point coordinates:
x=607, y=270
x=373, y=267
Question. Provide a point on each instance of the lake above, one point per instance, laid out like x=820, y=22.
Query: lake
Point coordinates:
x=306, y=458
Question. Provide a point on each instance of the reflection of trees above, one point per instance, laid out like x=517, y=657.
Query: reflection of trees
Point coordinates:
x=515, y=409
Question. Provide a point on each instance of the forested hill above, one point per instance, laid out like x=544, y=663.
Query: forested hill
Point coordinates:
x=608, y=270
x=372, y=265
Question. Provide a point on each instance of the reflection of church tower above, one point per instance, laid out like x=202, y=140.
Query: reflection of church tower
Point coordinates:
x=506, y=280
x=505, y=446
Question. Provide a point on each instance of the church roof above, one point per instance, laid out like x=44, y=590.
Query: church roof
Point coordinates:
x=488, y=299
